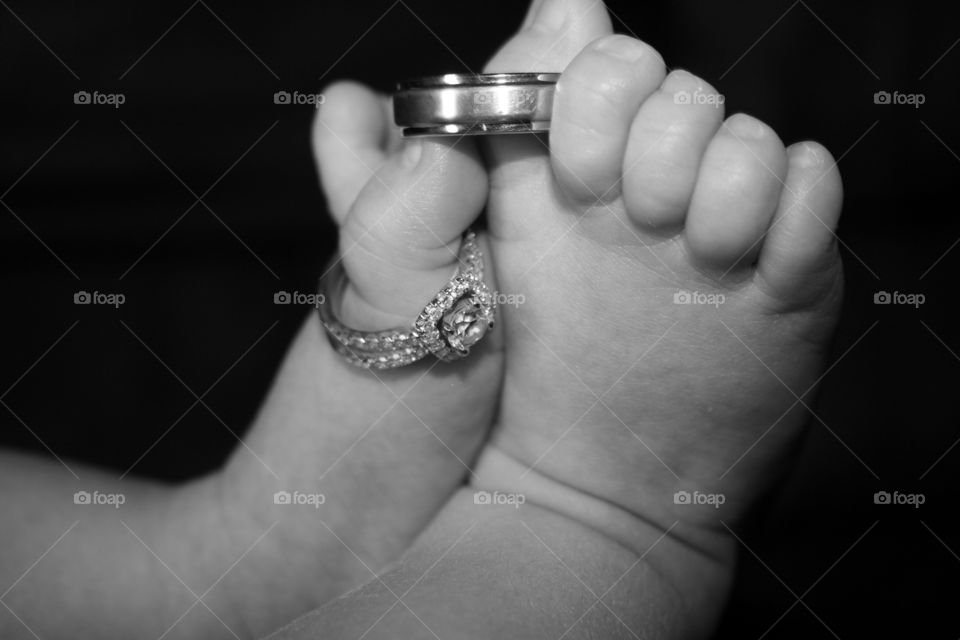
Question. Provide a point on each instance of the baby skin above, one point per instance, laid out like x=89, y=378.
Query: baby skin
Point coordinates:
x=681, y=281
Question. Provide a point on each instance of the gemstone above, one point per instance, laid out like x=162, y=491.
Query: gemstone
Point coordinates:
x=467, y=322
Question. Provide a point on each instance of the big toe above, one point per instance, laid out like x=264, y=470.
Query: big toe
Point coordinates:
x=400, y=240
x=553, y=32
x=351, y=139
x=551, y=36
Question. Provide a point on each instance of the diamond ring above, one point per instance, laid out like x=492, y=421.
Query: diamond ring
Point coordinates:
x=456, y=319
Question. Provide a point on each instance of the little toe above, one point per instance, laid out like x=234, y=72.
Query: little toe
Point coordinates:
x=799, y=263
x=596, y=100
x=737, y=191
x=668, y=139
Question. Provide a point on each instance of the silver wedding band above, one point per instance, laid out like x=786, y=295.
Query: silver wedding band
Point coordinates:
x=475, y=104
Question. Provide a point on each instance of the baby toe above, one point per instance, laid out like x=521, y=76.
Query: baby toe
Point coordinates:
x=596, y=100
x=350, y=141
x=737, y=191
x=799, y=263
x=400, y=239
x=668, y=138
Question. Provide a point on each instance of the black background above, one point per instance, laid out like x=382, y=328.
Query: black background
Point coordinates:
x=109, y=208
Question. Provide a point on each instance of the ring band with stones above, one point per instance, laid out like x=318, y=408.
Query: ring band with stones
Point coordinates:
x=456, y=319
x=475, y=104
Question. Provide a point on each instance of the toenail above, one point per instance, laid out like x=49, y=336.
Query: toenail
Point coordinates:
x=621, y=47
x=680, y=80
x=807, y=156
x=743, y=126
x=412, y=153
x=549, y=16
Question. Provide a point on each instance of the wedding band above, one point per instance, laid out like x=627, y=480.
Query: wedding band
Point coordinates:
x=456, y=319
x=475, y=104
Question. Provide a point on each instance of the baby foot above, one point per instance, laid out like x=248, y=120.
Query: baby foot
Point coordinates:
x=682, y=282
x=385, y=448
